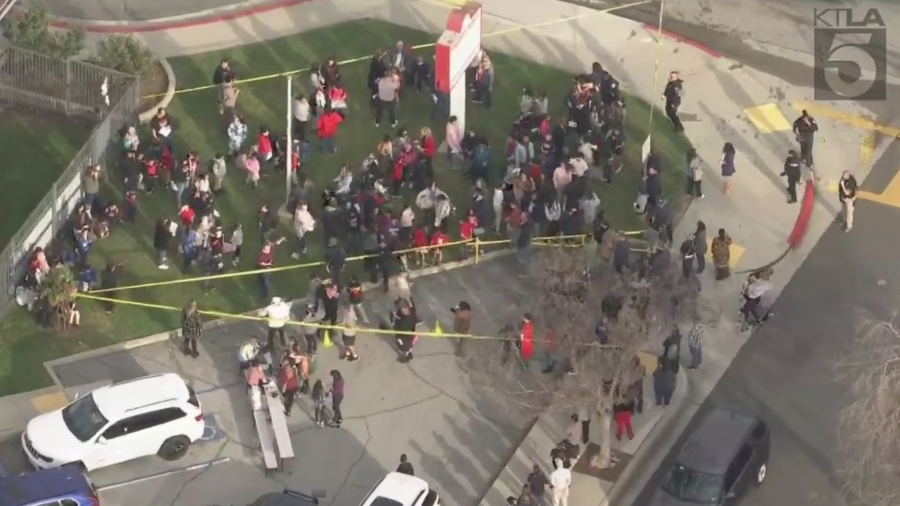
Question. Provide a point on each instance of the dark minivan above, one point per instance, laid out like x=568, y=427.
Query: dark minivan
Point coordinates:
x=727, y=453
x=65, y=486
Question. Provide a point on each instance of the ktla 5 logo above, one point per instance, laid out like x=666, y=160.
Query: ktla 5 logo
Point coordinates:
x=850, y=55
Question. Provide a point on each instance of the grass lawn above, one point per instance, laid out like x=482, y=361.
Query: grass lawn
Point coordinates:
x=35, y=149
x=23, y=347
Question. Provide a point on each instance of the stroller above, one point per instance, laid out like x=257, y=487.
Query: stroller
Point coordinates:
x=754, y=309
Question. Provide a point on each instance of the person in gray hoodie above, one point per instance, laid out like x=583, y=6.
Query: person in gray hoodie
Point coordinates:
x=693, y=175
x=663, y=384
x=218, y=170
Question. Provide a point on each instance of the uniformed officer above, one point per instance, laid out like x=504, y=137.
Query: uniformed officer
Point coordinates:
x=672, y=94
x=792, y=172
x=805, y=128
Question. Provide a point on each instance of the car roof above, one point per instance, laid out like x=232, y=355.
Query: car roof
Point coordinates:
x=43, y=485
x=714, y=442
x=119, y=398
x=285, y=499
x=397, y=488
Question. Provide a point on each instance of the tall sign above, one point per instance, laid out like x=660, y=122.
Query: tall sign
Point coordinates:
x=456, y=49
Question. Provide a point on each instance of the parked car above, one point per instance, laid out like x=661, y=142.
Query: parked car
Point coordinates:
x=725, y=455
x=65, y=486
x=398, y=489
x=287, y=498
x=124, y=421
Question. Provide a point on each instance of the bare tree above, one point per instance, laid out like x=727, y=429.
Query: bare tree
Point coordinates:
x=870, y=423
x=568, y=296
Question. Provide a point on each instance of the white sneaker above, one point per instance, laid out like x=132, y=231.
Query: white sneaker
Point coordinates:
x=163, y=267
x=295, y=256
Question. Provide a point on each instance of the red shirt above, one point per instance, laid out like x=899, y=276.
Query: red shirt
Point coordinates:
x=420, y=240
x=264, y=259
x=535, y=172
x=397, y=173
x=327, y=125
x=295, y=162
x=527, y=340
x=466, y=230
x=428, y=146
x=438, y=239
x=187, y=216
x=263, y=144
x=150, y=167
x=335, y=93
x=288, y=383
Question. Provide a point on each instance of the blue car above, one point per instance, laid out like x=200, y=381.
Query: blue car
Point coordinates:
x=66, y=486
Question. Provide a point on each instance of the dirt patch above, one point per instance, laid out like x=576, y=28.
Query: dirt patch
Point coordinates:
x=153, y=85
x=611, y=474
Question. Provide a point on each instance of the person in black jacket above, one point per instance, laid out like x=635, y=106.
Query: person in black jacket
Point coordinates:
x=221, y=75
x=109, y=281
x=162, y=237
x=335, y=259
x=404, y=324
x=672, y=94
x=793, y=174
x=377, y=69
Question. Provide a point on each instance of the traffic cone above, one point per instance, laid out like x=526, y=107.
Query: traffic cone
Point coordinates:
x=326, y=341
x=437, y=329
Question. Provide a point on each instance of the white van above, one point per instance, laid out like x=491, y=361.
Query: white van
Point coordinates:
x=124, y=421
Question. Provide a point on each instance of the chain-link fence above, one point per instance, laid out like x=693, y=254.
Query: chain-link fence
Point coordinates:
x=53, y=86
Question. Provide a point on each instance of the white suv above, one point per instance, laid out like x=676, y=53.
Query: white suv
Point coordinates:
x=398, y=489
x=153, y=415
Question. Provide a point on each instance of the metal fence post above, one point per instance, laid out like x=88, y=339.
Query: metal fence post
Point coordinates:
x=68, y=108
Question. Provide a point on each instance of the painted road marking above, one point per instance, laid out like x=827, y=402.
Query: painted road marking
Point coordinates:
x=821, y=111
x=866, y=149
x=737, y=251
x=768, y=118
x=50, y=402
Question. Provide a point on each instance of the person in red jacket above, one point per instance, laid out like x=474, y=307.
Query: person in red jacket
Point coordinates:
x=420, y=242
x=467, y=233
x=327, y=127
x=427, y=149
x=438, y=240
x=526, y=339
x=264, y=148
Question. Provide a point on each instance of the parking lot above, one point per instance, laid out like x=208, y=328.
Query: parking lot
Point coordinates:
x=456, y=439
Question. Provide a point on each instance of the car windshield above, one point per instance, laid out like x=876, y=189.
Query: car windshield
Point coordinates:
x=690, y=486
x=83, y=418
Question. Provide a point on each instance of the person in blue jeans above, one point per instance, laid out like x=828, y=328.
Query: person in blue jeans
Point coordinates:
x=188, y=249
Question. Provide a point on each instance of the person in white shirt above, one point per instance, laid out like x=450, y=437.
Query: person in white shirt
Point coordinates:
x=560, y=481
x=579, y=165
x=301, y=117
x=278, y=313
x=248, y=352
x=497, y=203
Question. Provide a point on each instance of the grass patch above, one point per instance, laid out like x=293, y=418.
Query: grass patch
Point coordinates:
x=23, y=346
x=36, y=149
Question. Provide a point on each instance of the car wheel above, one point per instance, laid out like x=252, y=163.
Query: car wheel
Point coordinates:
x=761, y=474
x=174, y=448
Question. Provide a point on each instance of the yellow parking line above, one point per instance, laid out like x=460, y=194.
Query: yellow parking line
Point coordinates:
x=821, y=111
x=49, y=402
x=767, y=118
x=737, y=251
x=866, y=149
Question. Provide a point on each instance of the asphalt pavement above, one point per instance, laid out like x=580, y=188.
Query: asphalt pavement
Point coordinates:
x=787, y=369
x=143, y=10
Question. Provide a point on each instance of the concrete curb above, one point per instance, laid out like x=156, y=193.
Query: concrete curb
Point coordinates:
x=174, y=334
x=200, y=18
x=147, y=115
x=675, y=408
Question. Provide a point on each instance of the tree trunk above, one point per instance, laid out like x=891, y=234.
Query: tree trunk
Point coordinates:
x=603, y=459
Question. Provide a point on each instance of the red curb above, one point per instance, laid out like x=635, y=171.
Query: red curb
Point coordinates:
x=155, y=26
x=684, y=40
x=803, y=218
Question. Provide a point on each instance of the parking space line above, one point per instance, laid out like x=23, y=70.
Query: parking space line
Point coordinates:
x=737, y=251
x=767, y=118
x=164, y=474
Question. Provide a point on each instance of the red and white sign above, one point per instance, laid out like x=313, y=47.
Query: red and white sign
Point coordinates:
x=458, y=46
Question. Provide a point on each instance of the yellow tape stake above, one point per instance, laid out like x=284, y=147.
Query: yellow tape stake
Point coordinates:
x=420, y=46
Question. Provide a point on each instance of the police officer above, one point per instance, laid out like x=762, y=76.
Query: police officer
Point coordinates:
x=805, y=128
x=792, y=172
x=672, y=94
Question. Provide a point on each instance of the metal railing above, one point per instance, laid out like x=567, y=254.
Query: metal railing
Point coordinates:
x=67, y=87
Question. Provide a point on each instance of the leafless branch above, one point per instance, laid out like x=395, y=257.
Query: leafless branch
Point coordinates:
x=870, y=423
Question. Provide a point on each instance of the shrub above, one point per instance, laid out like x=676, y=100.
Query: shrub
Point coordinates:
x=123, y=53
x=31, y=30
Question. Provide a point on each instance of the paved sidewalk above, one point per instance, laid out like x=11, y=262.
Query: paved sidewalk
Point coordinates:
x=724, y=102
